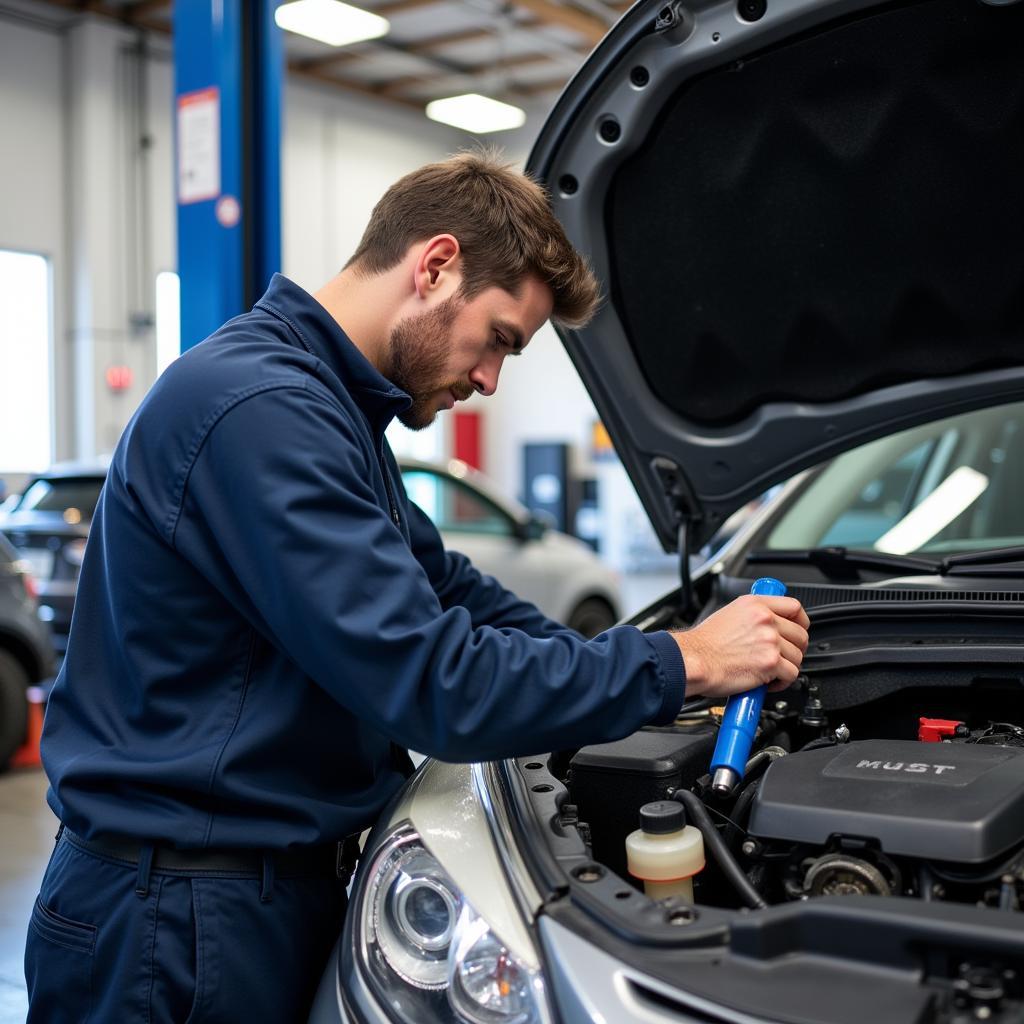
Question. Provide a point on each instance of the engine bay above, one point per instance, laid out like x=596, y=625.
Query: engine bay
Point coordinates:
x=908, y=796
x=872, y=852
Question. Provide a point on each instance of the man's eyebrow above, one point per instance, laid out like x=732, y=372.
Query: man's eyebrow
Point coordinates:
x=512, y=332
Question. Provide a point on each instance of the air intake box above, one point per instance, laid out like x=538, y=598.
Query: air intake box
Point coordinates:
x=610, y=782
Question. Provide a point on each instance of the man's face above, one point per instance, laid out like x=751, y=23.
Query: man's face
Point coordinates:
x=443, y=355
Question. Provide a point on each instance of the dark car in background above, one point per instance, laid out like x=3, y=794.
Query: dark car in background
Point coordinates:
x=26, y=656
x=48, y=524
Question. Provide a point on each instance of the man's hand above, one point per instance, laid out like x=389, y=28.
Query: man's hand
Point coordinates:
x=751, y=641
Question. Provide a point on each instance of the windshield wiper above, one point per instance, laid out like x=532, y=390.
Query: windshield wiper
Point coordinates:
x=992, y=561
x=842, y=563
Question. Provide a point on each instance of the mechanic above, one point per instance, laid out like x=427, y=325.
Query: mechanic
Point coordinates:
x=264, y=623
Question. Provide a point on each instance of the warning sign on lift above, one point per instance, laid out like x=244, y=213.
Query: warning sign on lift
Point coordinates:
x=199, y=145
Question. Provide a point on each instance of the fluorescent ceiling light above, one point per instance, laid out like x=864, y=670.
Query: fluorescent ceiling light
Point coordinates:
x=954, y=495
x=330, y=21
x=475, y=113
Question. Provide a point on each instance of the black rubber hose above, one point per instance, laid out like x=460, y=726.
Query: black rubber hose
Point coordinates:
x=824, y=741
x=740, y=812
x=761, y=760
x=752, y=776
x=734, y=875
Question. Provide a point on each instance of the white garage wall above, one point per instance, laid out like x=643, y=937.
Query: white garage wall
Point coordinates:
x=339, y=155
x=69, y=108
x=32, y=156
x=163, y=227
x=539, y=398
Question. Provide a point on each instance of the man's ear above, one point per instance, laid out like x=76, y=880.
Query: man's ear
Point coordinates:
x=438, y=265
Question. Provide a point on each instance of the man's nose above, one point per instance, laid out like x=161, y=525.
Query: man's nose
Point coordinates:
x=484, y=376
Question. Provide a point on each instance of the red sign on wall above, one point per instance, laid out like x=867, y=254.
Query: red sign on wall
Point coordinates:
x=467, y=435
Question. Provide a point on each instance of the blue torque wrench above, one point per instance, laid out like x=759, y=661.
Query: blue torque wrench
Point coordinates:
x=742, y=714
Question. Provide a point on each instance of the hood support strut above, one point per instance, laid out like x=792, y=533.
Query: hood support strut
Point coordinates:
x=687, y=606
x=677, y=491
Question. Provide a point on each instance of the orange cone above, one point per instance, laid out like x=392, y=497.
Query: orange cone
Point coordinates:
x=27, y=755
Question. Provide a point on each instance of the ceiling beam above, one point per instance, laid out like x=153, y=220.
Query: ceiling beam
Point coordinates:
x=552, y=13
x=338, y=57
x=589, y=25
x=470, y=35
x=349, y=86
x=446, y=70
x=467, y=35
x=396, y=86
x=400, y=6
x=538, y=88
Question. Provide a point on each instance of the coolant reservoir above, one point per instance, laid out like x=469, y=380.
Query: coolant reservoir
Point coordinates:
x=665, y=852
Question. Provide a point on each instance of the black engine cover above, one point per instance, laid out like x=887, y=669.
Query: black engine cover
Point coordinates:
x=939, y=801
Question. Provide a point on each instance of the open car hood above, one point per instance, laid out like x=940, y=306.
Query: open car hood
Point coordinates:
x=808, y=218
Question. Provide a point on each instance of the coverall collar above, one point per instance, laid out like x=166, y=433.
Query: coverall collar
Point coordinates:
x=320, y=335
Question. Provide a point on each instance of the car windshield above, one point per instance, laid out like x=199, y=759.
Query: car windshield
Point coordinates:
x=74, y=498
x=950, y=486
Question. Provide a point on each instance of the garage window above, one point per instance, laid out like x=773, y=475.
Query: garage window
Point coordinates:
x=26, y=434
x=168, y=319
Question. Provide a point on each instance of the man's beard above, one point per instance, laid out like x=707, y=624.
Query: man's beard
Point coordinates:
x=418, y=350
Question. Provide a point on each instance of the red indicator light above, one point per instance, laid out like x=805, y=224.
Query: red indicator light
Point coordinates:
x=119, y=378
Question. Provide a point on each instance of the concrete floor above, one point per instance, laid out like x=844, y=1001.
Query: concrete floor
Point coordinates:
x=27, y=828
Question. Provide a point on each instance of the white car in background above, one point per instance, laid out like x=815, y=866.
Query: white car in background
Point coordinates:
x=559, y=574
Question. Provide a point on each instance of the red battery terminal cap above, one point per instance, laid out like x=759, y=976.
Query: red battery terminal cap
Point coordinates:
x=935, y=730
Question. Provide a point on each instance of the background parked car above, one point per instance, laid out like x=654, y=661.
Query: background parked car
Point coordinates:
x=25, y=654
x=558, y=573
x=48, y=524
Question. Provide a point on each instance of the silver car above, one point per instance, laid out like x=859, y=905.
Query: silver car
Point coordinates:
x=809, y=222
x=559, y=574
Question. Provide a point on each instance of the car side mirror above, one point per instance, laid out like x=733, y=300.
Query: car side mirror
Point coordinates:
x=535, y=527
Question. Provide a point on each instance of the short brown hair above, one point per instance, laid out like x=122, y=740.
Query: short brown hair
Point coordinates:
x=502, y=220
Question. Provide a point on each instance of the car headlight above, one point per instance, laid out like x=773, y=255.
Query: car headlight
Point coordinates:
x=487, y=983
x=427, y=954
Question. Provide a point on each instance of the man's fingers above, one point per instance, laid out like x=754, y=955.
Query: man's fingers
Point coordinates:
x=792, y=631
x=790, y=652
x=787, y=672
x=788, y=608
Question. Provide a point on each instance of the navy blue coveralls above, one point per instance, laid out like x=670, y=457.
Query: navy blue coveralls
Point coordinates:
x=263, y=624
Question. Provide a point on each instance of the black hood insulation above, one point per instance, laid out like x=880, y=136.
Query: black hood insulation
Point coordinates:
x=838, y=214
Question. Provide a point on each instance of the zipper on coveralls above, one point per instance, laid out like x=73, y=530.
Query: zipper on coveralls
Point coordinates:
x=387, y=487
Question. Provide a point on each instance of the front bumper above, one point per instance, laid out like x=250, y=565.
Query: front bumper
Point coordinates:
x=343, y=997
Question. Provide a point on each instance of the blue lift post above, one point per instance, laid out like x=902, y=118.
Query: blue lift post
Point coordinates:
x=228, y=68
